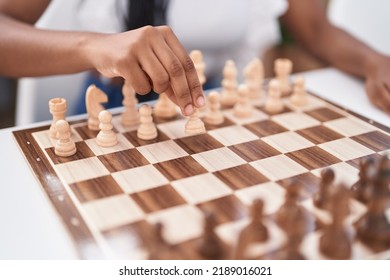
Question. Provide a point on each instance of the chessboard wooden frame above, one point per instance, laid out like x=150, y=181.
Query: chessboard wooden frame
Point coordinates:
x=85, y=243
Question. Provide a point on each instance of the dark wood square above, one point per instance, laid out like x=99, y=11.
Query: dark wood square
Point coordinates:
x=319, y=134
x=96, y=188
x=241, y=176
x=198, y=143
x=123, y=160
x=180, y=168
x=254, y=150
x=226, y=209
x=265, y=128
x=308, y=181
x=313, y=157
x=157, y=198
x=374, y=140
x=356, y=162
x=83, y=151
x=226, y=122
x=324, y=114
x=133, y=138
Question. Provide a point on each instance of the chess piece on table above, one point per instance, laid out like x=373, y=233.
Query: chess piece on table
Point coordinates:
x=130, y=116
x=215, y=115
x=147, y=129
x=93, y=99
x=362, y=189
x=254, y=77
x=210, y=246
x=106, y=137
x=64, y=147
x=299, y=95
x=254, y=232
x=283, y=69
x=194, y=124
x=164, y=107
x=159, y=248
x=229, y=84
x=243, y=107
x=57, y=108
x=336, y=242
x=197, y=58
x=274, y=103
x=322, y=198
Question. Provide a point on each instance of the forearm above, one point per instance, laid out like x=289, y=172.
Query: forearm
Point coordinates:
x=27, y=51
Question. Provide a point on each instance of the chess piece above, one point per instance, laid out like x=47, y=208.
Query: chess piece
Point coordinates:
x=93, y=99
x=254, y=232
x=229, y=84
x=57, y=108
x=274, y=103
x=335, y=242
x=159, y=248
x=197, y=58
x=254, y=77
x=215, y=115
x=64, y=147
x=283, y=69
x=361, y=190
x=243, y=107
x=147, y=129
x=106, y=137
x=194, y=124
x=299, y=95
x=322, y=198
x=130, y=116
x=164, y=107
x=210, y=246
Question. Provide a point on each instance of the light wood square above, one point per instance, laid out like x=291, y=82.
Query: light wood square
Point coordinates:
x=181, y=223
x=349, y=126
x=255, y=117
x=162, y=151
x=123, y=144
x=112, y=211
x=313, y=103
x=346, y=149
x=287, y=142
x=344, y=173
x=218, y=159
x=81, y=170
x=117, y=123
x=233, y=135
x=278, y=167
x=45, y=141
x=271, y=193
x=139, y=179
x=201, y=188
x=173, y=129
x=295, y=120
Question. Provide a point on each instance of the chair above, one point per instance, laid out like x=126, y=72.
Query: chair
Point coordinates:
x=367, y=20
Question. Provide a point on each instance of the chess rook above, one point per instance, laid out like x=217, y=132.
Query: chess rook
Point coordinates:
x=106, y=137
x=57, y=108
x=64, y=147
x=147, y=129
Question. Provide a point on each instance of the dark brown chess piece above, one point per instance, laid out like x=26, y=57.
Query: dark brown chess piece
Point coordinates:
x=363, y=187
x=322, y=197
x=210, y=246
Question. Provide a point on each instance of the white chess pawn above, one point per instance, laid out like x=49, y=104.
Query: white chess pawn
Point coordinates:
x=57, y=108
x=106, y=137
x=299, y=96
x=64, y=147
x=164, y=107
x=130, y=116
x=274, y=103
x=194, y=124
x=147, y=129
x=254, y=77
x=283, y=69
x=229, y=84
x=243, y=107
x=215, y=115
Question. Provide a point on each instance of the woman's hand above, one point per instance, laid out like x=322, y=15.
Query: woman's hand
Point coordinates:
x=150, y=58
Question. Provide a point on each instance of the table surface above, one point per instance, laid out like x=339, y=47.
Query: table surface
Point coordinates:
x=31, y=228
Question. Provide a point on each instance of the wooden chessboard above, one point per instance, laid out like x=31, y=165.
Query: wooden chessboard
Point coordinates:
x=109, y=198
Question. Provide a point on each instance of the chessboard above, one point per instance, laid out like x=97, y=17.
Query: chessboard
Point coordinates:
x=192, y=197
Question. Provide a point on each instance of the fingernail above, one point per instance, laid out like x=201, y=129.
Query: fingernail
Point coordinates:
x=200, y=101
x=188, y=110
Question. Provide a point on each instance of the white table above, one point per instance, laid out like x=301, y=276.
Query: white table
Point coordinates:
x=30, y=228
